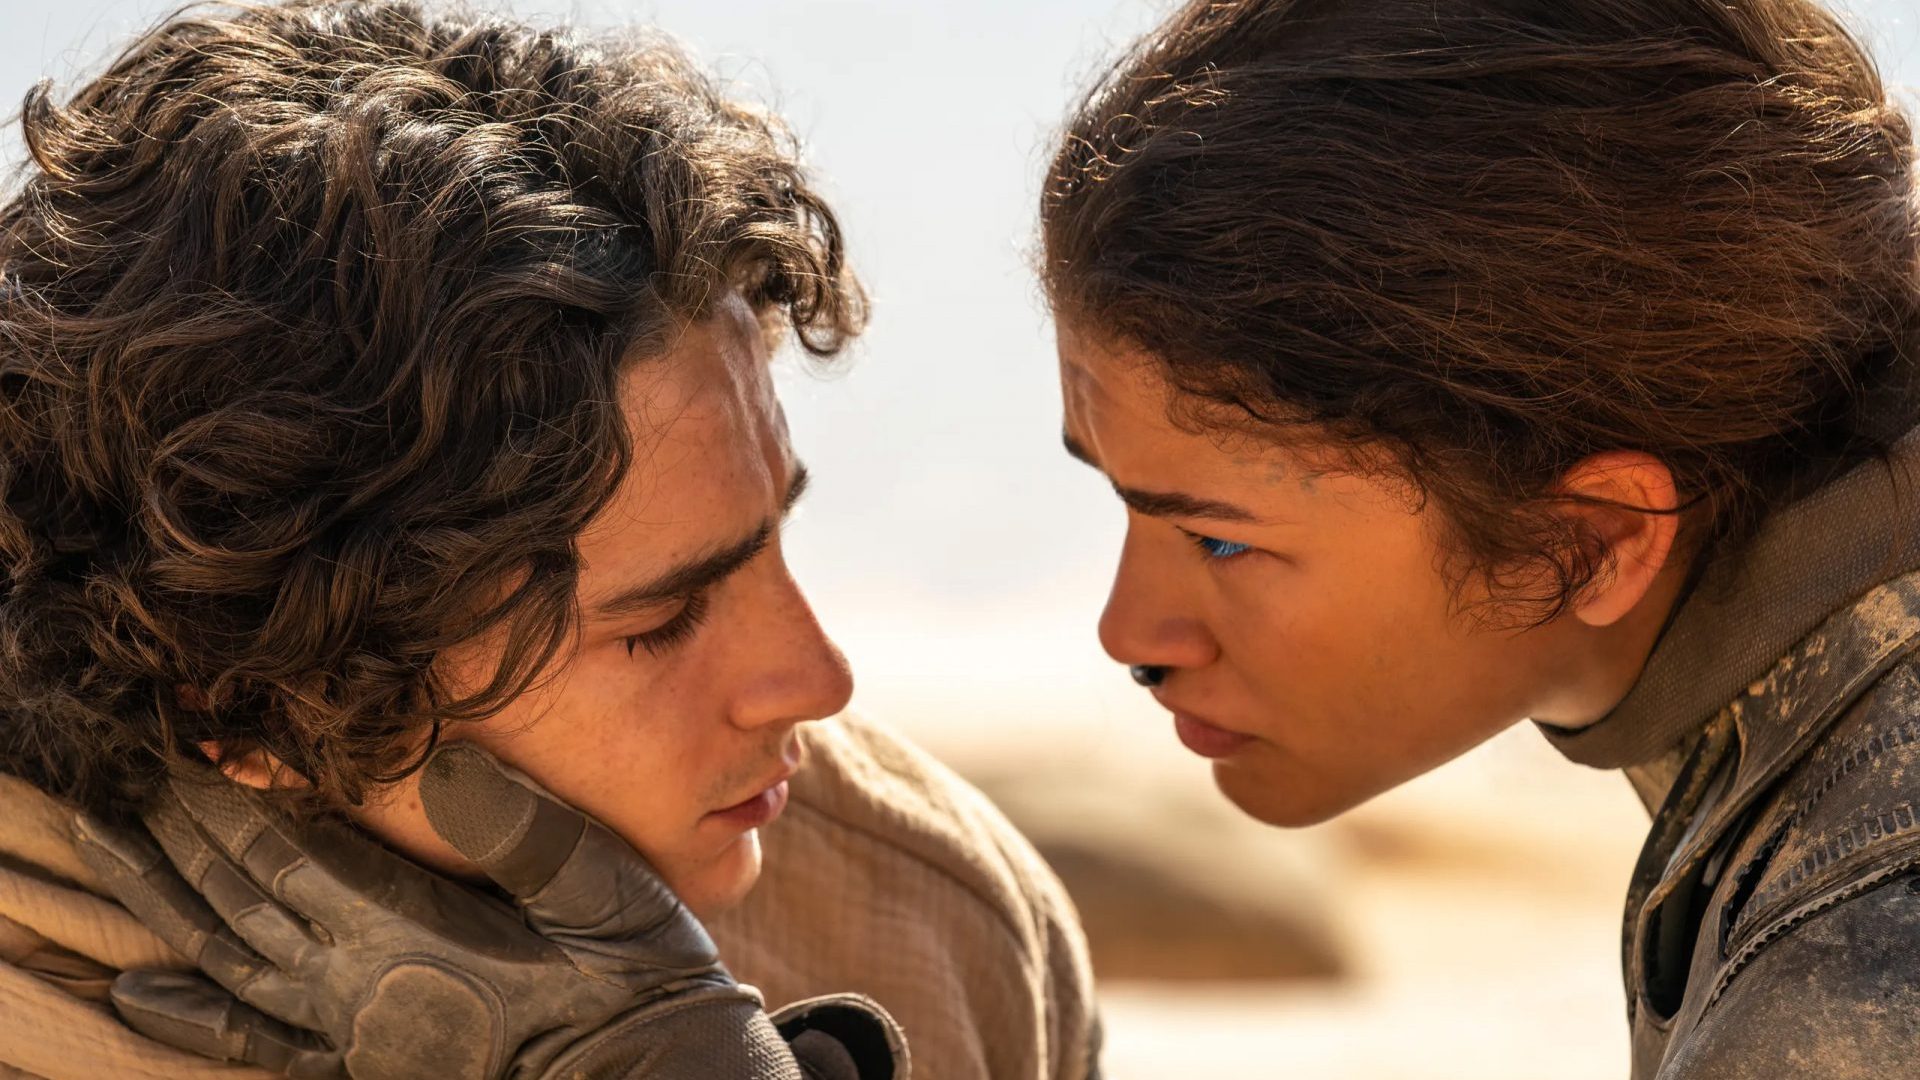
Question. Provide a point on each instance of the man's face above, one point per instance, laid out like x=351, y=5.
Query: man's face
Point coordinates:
x=1318, y=651
x=674, y=721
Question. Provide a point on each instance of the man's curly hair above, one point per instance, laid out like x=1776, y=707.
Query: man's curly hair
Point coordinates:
x=311, y=323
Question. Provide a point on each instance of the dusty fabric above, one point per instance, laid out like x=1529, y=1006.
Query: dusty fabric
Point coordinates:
x=1810, y=559
x=1771, y=922
x=888, y=875
x=60, y=944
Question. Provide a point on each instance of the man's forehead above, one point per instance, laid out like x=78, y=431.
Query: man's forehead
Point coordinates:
x=716, y=368
x=710, y=451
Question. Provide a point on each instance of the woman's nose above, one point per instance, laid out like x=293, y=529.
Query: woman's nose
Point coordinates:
x=1149, y=623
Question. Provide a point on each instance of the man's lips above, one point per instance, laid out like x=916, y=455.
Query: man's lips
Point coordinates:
x=757, y=809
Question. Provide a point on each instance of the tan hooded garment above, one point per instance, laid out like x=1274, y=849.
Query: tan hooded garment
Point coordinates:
x=887, y=875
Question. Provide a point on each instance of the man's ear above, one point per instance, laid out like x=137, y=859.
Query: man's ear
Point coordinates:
x=255, y=768
x=1628, y=504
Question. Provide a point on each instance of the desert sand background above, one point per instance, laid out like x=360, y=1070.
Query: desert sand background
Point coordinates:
x=1463, y=927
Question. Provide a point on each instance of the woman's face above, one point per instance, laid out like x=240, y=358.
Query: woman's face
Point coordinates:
x=1317, y=647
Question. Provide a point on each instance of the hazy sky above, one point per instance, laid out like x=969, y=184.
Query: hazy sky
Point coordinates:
x=954, y=548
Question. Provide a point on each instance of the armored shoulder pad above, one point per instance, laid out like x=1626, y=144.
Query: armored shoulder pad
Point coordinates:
x=1843, y=822
x=1836, y=994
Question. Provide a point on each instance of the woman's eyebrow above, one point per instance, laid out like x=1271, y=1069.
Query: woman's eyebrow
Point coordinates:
x=706, y=569
x=1164, y=503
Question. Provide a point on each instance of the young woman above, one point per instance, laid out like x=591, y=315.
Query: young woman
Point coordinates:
x=1474, y=361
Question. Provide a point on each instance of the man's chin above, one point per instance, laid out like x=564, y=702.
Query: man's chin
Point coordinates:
x=721, y=882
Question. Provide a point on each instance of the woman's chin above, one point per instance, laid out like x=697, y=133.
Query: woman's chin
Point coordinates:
x=1278, y=797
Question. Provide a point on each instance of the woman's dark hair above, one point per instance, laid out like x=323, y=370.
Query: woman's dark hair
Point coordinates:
x=1481, y=240
x=312, y=318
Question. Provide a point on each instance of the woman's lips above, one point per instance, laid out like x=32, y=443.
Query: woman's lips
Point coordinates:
x=1206, y=740
x=755, y=812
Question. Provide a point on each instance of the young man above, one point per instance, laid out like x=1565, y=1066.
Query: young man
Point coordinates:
x=1468, y=361
x=373, y=379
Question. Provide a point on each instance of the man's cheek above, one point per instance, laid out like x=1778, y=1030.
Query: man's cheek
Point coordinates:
x=396, y=818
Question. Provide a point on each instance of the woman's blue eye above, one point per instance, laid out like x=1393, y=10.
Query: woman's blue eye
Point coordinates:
x=1220, y=549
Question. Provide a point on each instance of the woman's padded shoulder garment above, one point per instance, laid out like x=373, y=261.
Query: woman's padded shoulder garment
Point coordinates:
x=1773, y=924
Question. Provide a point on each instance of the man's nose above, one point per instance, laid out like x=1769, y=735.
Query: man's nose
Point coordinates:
x=798, y=674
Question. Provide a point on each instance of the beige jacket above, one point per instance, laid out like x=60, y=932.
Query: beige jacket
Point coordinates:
x=888, y=875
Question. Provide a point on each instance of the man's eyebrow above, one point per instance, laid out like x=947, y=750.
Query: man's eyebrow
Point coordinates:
x=1164, y=503
x=708, y=569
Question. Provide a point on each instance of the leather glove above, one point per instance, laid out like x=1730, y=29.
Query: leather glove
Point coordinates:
x=348, y=960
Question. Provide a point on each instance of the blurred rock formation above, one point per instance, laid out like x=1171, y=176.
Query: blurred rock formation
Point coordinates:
x=1172, y=883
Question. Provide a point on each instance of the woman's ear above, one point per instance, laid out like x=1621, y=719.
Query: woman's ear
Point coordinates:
x=255, y=768
x=1626, y=501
